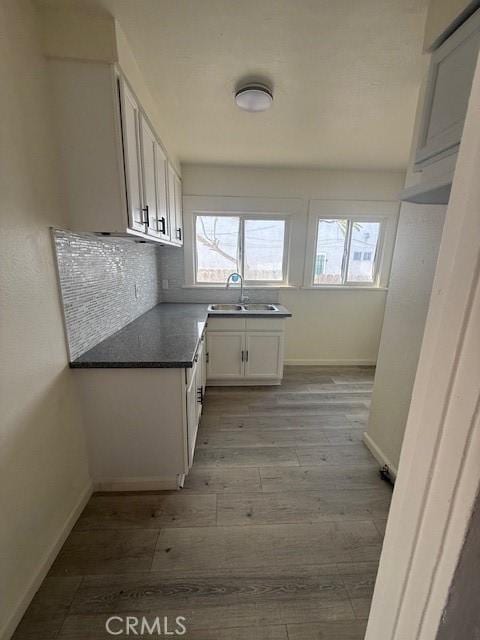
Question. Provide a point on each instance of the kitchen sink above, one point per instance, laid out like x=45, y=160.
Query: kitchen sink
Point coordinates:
x=260, y=307
x=242, y=307
x=225, y=307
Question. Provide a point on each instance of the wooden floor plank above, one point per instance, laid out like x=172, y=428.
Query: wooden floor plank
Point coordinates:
x=354, y=477
x=181, y=550
x=246, y=457
x=222, y=480
x=92, y=627
x=45, y=615
x=147, y=511
x=296, y=507
x=327, y=631
x=106, y=551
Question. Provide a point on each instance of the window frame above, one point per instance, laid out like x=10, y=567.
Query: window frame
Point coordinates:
x=243, y=217
x=347, y=248
x=383, y=211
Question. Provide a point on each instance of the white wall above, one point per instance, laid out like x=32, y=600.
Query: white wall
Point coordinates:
x=43, y=463
x=327, y=326
x=414, y=261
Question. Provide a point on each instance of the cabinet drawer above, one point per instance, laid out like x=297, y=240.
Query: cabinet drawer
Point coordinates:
x=264, y=324
x=226, y=324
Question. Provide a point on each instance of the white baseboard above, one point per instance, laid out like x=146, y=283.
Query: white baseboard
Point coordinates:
x=44, y=565
x=136, y=484
x=332, y=363
x=243, y=382
x=378, y=454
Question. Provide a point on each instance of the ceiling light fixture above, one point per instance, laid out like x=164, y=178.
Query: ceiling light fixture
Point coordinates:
x=254, y=97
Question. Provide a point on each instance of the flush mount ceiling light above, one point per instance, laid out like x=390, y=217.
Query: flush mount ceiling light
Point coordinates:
x=254, y=97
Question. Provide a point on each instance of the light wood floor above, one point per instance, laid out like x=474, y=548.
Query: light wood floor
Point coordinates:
x=276, y=535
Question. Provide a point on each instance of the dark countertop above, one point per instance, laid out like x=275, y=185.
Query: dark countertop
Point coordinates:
x=167, y=336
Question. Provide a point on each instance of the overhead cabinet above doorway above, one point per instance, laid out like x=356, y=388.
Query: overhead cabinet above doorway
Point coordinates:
x=447, y=92
x=117, y=176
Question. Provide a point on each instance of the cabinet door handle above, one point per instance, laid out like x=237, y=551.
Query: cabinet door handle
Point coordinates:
x=207, y=357
x=200, y=395
x=243, y=355
x=246, y=356
x=146, y=219
x=179, y=233
x=162, y=225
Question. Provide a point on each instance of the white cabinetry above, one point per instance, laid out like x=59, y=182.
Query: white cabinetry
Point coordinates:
x=175, y=205
x=114, y=166
x=448, y=89
x=131, y=153
x=225, y=355
x=447, y=93
x=141, y=424
x=263, y=355
x=245, y=351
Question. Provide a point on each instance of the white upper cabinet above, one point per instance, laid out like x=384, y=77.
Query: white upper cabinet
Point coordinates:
x=149, y=201
x=114, y=169
x=131, y=151
x=448, y=89
x=163, y=225
x=178, y=209
x=175, y=206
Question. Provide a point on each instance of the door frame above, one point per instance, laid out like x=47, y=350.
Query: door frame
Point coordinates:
x=439, y=471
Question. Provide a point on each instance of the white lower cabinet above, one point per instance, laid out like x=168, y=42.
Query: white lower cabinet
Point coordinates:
x=225, y=355
x=263, y=357
x=141, y=424
x=237, y=355
x=193, y=414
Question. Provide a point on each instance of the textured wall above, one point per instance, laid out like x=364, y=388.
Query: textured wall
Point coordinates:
x=414, y=261
x=105, y=283
x=43, y=460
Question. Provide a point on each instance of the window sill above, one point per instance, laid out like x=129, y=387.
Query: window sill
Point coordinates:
x=237, y=288
x=343, y=288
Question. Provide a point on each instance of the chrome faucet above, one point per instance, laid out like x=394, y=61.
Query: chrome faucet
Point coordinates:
x=235, y=276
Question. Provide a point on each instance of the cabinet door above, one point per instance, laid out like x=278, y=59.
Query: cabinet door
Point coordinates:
x=178, y=209
x=448, y=89
x=171, y=203
x=263, y=355
x=149, y=190
x=175, y=206
x=225, y=350
x=162, y=223
x=192, y=417
x=131, y=152
x=204, y=366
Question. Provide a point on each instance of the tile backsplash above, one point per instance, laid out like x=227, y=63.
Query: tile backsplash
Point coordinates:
x=108, y=282
x=171, y=268
x=105, y=283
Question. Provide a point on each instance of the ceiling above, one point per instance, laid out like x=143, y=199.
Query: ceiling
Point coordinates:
x=345, y=74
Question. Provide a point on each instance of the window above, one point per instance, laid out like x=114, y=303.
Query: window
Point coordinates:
x=346, y=251
x=254, y=246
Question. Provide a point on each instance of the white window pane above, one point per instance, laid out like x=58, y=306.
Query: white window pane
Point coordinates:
x=263, y=251
x=329, y=252
x=364, y=243
x=217, y=239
